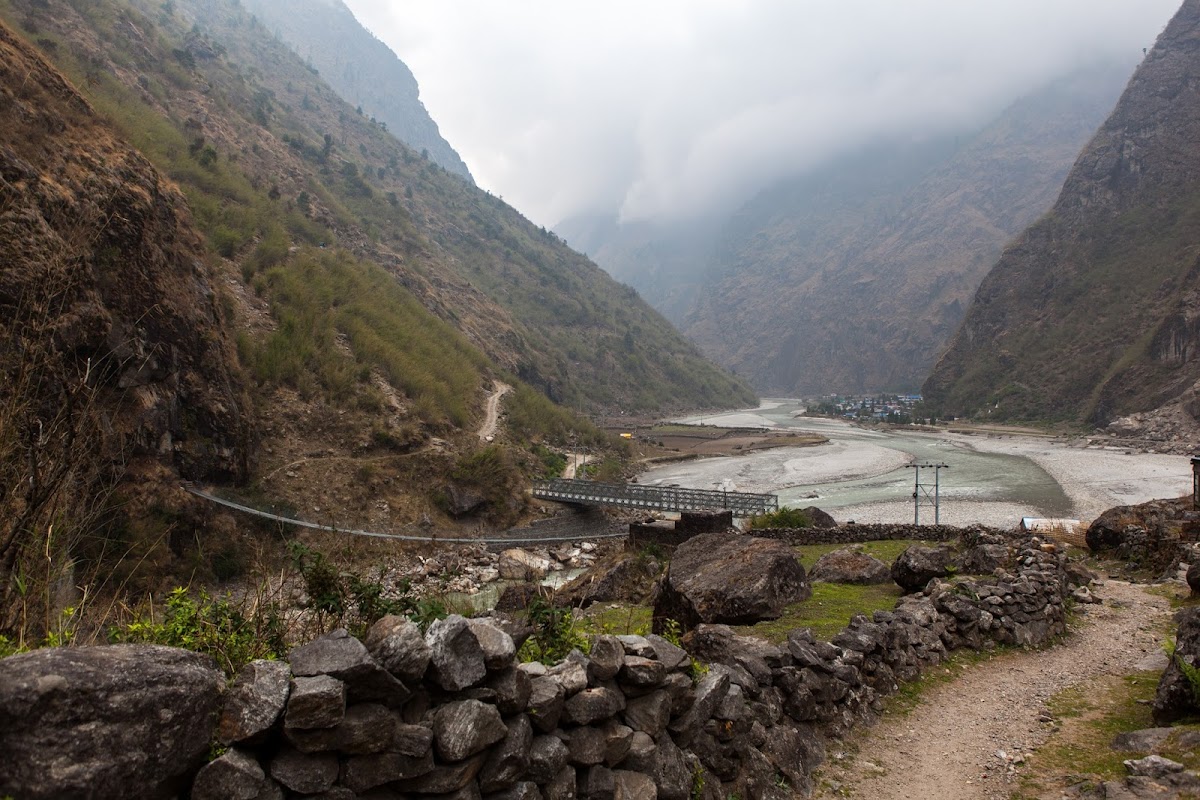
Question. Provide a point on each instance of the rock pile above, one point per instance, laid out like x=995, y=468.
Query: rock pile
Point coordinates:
x=467, y=569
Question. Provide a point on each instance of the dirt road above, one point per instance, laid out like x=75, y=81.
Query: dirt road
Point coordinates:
x=488, y=429
x=960, y=743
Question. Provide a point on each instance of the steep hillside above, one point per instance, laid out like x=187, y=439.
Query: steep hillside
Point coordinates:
x=1094, y=311
x=117, y=371
x=360, y=68
x=852, y=279
x=271, y=158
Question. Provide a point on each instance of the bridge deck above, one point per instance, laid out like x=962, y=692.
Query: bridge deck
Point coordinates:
x=653, y=498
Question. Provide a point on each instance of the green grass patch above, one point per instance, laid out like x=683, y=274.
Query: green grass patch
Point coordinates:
x=827, y=612
x=617, y=619
x=1090, y=717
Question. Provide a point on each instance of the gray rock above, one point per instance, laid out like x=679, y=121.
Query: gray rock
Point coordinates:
x=255, y=702
x=917, y=566
x=498, y=648
x=1153, y=766
x=317, y=702
x=510, y=690
x=572, y=674
x=236, y=775
x=597, y=783
x=456, y=658
x=399, y=647
x=564, y=785
x=1193, y=578
x=445, y=778
x=520, y=565
x=849, y=566
x=593, y=705
x=636, y=646
x=509, y=759
x=737, y=580
x=466, y=727
x=618, y=740
x=547, y=756
x=607, y=657
x=546, y=699
x=671, y=656
x=362, y=773
x=642, y=753
x=709, y=694
x=649, y=713
x=307, y=773
x=526, y=790
x=412, y=740
x=1144, y=741
x=105, y=721
x=672, y=774
x=367, y=728
x=586, y=746
x=1175, y=696
x=341, y=656
x=634, y=786
x=793, y=754
x=642, y=673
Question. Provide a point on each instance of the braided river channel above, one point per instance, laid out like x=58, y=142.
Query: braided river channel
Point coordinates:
x=864, y=474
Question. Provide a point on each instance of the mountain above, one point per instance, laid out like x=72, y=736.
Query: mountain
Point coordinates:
x=1094, y=311
x=359, y=67
x=243, y=281
x=853, y=277
x=118, y=374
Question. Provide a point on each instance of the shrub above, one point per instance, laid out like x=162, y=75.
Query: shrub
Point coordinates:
x=783, y=518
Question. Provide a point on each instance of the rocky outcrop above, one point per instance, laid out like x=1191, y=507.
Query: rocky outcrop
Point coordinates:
x=1147, y=536
x=716, y=577
x=107, y=722
x=849, y=566
x=1178, y=692
x=1109, y=276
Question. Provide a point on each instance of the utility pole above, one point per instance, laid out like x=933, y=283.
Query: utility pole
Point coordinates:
x=926, y=494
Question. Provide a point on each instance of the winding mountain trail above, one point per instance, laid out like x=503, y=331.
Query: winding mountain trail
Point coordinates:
x=958, y=744
x=488, y=429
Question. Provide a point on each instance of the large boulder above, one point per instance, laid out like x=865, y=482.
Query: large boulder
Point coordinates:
x=1107, y=532
x=737, y=580
x=918, y=565
x=516, y=564
x=619, y=578
x=849, y=566
x=1178, y=695
x=115, y=721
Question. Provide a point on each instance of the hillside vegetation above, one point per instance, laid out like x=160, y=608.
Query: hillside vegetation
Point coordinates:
x=1094, y=311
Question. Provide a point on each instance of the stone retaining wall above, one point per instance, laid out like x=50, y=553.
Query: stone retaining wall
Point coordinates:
x=451, y=714
x=854, y=534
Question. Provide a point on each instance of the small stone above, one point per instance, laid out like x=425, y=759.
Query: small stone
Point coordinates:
x=457, y=659
x=464, y=728
x=399, y=647
x=254, y=702
x=546, y=699
x=593, y=705
x=633, y=786
x=236, y=775
x=317, y=702
x=1153, y=766
x=363, y=773
x=498, y=648
x=547, y=756
x=307, y=773
x=509, y=759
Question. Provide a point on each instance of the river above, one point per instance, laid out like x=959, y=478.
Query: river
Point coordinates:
x=864, y=475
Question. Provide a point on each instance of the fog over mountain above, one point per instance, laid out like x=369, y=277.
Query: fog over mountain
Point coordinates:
x=687, y=107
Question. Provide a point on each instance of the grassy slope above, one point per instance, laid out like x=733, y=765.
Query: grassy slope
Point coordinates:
x=241, y=124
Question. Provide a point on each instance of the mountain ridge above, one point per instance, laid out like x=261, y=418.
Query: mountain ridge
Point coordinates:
x=1094, y=312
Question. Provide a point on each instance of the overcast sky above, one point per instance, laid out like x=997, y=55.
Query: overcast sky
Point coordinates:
x=674, y=107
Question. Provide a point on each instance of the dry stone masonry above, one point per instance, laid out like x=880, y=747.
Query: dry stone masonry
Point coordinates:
x=451, y=714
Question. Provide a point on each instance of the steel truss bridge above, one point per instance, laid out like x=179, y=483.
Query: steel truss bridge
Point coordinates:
x=653, y=498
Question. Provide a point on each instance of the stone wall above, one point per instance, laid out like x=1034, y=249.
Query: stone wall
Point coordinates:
x=854, y=534
x=451, y=714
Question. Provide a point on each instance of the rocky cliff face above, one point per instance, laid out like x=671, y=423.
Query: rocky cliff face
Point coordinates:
x=1094, y=311
x=360, y=68
x=852, y=279
x=104, y=284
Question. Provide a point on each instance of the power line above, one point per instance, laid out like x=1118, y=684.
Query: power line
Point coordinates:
x=924, y=494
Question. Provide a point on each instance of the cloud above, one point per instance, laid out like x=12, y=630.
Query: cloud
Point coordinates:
x=678, y=107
